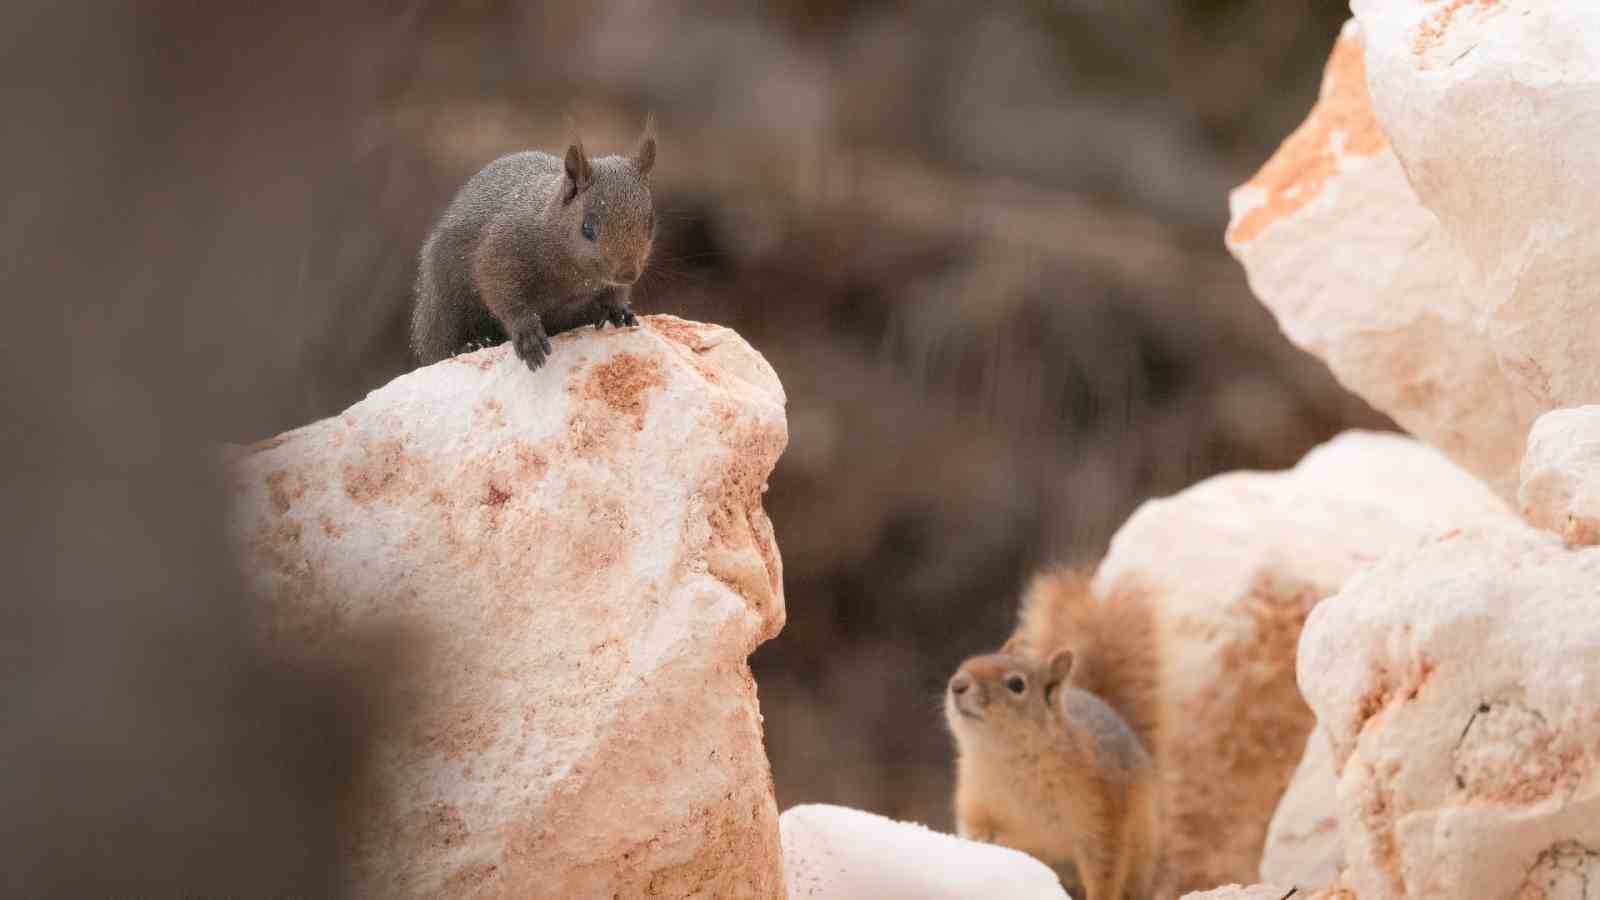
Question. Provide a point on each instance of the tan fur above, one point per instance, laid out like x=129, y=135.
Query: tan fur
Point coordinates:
x=1115, y=640
x=1066, y=770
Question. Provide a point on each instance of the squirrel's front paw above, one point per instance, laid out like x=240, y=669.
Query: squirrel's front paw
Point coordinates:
x=617, y=314
x=532, y=346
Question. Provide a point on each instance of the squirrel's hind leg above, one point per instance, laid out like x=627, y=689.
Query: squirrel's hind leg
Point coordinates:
x=1102, y=870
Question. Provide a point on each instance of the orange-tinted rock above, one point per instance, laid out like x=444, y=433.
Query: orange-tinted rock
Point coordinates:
x=1341, y=126
x=1359, y=273
x=1428, y=232
x=582, y=561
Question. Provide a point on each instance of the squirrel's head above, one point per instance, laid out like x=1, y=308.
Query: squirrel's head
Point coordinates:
x=607, y=214
x=1005, y=696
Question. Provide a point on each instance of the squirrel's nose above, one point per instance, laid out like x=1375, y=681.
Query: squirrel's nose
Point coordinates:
x=628, y=274
x=960, y=683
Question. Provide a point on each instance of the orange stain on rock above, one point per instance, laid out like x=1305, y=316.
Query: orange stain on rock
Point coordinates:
x=679, y=331
x=382, y=471
x=614, y=400
x=1300, y=169
x=621, y=383
x=1433, y=28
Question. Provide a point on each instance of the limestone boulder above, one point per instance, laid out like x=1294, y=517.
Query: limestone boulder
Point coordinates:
x=1303, y=844
x=1357, y=271
x=1238, y=562
x=1427, y=233
x=1459, y=688
x=1493, y=106
x=581, y=564
x=1561, y=474
x=834, y=853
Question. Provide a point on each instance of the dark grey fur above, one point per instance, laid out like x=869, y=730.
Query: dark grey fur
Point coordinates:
x=509, y=259
x=1120, y=754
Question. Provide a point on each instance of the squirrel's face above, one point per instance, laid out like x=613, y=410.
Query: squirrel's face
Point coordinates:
x=1003, y=696
x=992, y=694
x=610, y=217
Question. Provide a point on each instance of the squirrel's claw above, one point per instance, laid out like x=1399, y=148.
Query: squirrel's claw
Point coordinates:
x=618, y=316
x=532, y=346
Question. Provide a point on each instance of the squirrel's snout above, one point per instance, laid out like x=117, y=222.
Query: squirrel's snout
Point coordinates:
x=960, y=683
x=627, y=273
x=967, y=695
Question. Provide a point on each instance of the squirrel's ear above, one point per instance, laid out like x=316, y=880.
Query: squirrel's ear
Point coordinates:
x=1060, y=666
x=1012, y=646
x=579, y=174
x=1056, y=675
x=644, y=156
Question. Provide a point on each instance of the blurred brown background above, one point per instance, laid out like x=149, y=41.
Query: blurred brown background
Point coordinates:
x=981, y=244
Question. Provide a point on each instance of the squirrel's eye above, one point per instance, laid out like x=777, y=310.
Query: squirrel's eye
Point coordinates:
x=1015, y=684
x=588, y=230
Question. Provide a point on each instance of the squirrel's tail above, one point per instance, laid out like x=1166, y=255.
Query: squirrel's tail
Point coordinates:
x=1115, y=641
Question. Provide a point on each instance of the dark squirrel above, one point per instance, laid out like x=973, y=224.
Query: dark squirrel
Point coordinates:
x=534, y=246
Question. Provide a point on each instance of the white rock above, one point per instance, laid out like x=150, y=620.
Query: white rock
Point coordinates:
x=1460, y=691
x=581, y=558
x=1237, y=562
x=1241, y=892
x=834, y=853
x=1561, y=474
x=1493, y=106
x=1359, y=272
x=1303, y=845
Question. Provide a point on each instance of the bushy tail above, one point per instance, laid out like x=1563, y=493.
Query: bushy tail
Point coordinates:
x=1115, y=641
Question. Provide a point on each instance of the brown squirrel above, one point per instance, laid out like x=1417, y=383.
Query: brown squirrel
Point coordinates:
x=1057, y=736
x=533, y=246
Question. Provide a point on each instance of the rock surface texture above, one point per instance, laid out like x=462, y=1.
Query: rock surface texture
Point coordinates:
x=833, y=853
x=1494, y=107
x=581, y=562
x=1561, y=474
x=1430, y=233
x=1238, y=562
x=1303, y=845
x=1427, y=231
x=1460, y=691
x=1241, y=892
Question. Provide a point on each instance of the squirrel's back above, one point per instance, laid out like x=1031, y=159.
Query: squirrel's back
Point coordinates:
x=449, y=312
x=1115, y=640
